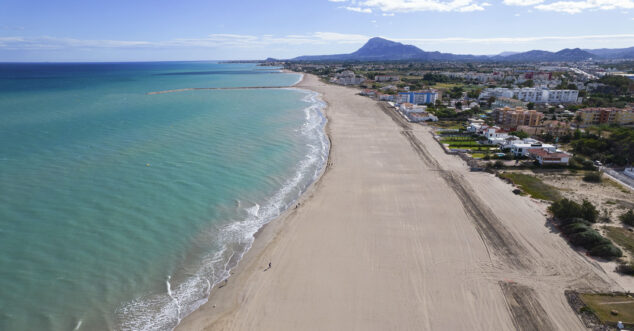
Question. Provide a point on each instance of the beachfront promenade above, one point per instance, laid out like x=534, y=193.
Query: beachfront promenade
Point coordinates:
x=398, y=235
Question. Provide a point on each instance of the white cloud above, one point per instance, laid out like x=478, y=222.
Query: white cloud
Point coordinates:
x=337, y=0
x=472, y=7
x=575, y=7
x=210, y=41
x=392, y=14
x=522, y=2
x=403, y=6
x=359, y=10
x=517, y=40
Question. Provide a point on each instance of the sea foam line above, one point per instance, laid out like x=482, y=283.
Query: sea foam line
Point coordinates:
x=165, y=311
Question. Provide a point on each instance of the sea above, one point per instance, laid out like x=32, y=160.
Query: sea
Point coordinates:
x=121, y=209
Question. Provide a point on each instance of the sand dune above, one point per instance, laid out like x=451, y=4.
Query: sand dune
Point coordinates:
x=398, y=235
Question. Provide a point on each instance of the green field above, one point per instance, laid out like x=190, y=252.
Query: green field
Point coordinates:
x=603, y=304
x=533, y=186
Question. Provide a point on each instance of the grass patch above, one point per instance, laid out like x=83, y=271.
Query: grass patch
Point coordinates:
x=477, y=155
x=533, y=186
x=603, y=304
x=451, y=125
x=621, y=237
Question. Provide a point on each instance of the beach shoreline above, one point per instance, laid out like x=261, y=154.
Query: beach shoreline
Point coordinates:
x=396, y=234
x=213, y=308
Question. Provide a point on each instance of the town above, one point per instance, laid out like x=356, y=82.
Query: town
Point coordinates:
x=518, y=111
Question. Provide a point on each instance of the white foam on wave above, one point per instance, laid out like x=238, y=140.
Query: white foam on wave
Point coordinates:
x=165, y=311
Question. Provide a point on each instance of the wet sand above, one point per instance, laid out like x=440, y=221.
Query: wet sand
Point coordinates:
x=398, y=235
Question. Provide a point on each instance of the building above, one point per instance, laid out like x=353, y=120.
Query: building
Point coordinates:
x=416, y=113
x=386, y=97
x=418, y=98
x=545, y=157
x=386, y=78
x=348, y=77
x=512, y=118
x=531, y=94
x=422, y=117
x=521, y=148
x=594, y=116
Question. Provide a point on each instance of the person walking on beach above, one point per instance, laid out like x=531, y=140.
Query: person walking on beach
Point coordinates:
x=269, y=265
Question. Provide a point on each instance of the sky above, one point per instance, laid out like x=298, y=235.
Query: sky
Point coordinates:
x=160, y=30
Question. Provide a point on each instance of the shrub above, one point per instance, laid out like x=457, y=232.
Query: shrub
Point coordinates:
x=607, y=251
x=589, y=212
x=566, y=209
x=569, y=221
x=628, y=218
x=593, y=177
x=625, y=268
x=575, y=228
x=498, y=164
x=588, y=239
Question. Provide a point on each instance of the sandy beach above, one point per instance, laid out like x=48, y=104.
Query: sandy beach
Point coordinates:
x=398, y=235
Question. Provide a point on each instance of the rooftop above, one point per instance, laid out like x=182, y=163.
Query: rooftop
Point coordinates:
x=545, y=153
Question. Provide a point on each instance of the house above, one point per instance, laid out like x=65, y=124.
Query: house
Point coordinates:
x=410, y=108
x=422, y=117
x=386, y=97
x=369, y=93
x=544, y=156
x=416, y=113
x=521, y=148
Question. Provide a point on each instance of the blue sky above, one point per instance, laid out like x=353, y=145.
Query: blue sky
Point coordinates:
x=138, y=30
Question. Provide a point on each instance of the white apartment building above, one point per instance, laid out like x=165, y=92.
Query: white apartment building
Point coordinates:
x=532, y=94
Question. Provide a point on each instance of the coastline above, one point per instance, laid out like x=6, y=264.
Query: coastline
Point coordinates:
x=213, y=308
x=379, y=242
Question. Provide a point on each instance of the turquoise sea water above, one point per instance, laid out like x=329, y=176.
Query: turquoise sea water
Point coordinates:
x=119, y=209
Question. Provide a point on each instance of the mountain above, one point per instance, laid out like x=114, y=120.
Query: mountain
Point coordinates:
x=379, y=49
x=564, y=55
x=613, y=53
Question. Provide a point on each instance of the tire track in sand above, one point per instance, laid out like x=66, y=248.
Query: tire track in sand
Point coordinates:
x=526, y=311
x=493, y=233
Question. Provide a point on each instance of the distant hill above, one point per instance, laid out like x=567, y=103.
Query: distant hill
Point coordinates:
x=613, y=53
x=379, y=49
x=565, y=55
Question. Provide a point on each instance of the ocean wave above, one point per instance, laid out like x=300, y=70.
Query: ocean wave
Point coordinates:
x=164, y=311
